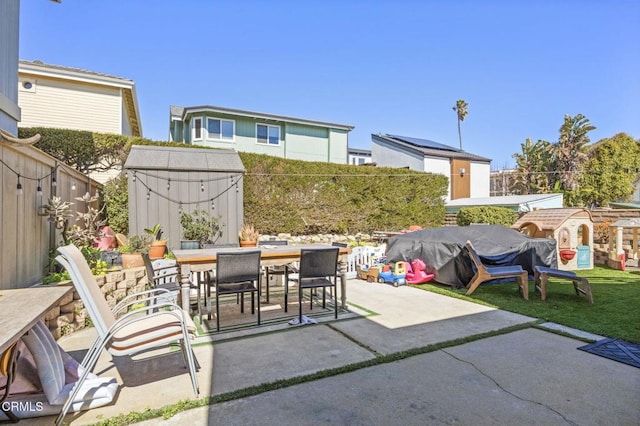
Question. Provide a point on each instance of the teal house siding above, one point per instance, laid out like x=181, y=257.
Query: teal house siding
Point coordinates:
x=247, y=131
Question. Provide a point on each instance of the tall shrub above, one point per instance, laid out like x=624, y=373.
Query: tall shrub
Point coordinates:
x=302, y=197
x=116, y=198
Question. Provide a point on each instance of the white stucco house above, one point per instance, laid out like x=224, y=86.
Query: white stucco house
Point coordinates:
x=469, y=174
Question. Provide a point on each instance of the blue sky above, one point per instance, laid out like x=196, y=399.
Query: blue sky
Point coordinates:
x=382, y=66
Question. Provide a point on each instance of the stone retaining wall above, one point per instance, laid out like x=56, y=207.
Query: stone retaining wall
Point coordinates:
x=71, y=315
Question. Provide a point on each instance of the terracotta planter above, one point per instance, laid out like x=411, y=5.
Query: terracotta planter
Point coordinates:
x=132, y=260
x=248, y=243
x=157, y=249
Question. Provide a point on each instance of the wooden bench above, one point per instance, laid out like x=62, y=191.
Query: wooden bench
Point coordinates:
x=542, y=274
x=486, y=273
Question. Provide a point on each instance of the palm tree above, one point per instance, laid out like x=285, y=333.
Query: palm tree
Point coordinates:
x=533, y=164
x=569, y=152
x=461, y=109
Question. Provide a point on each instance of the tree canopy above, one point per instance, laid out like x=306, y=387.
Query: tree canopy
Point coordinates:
x=613, y=166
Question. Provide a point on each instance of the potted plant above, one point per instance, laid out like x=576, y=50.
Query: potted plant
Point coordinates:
x=248, y=236
x=158, y=245
x=131, y=252
x=199, y=229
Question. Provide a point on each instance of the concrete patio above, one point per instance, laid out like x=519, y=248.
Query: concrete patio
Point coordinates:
x=511, y=374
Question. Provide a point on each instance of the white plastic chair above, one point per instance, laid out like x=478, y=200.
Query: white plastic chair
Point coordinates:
x=139, y=322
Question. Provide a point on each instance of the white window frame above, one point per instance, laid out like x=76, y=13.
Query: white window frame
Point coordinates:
x=268, y=126
x=193, y=128
x=221, y=138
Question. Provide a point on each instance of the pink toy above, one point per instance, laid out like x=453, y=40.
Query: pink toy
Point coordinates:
x=107, y=239
x=416, y=273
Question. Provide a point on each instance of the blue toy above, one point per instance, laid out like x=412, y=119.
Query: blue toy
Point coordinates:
x=396, y=277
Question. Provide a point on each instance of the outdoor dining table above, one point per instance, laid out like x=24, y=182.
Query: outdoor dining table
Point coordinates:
x=22, y=308
x=199, y=260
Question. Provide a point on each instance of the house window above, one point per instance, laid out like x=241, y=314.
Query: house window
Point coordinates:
x=197, y=129
x=269, y=135
x=220, y=129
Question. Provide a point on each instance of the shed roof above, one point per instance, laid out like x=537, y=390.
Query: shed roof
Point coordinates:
x=550, y=219
x=148, y=157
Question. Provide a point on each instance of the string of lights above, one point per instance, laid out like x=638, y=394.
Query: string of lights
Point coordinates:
x=19, y=189
x=234, y=184
x=172, y=179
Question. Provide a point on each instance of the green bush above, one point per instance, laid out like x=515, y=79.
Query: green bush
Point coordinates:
x=116, y=198
x=302, y=197
x=72, y=147
x=491, y=215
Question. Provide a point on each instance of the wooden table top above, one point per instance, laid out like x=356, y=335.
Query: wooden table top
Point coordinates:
x=21, y=308
x=267, y=252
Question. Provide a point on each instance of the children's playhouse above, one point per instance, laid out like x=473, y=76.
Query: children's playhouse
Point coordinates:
x=572, y=228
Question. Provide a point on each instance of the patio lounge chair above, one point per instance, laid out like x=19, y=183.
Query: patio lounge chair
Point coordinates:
x=45, y=377
x=139, y=322
x=542, y=274
x=486, y=273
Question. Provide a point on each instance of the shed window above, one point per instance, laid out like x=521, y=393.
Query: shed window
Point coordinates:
x=220, y=129
x=269, y=135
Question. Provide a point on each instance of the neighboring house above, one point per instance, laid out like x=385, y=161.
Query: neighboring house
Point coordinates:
x=73, y=98
x=468, y=173
x=262, y=133
x=9, y=33
x=358, y=157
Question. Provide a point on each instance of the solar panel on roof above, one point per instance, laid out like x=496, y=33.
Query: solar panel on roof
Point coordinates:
x=425, y=143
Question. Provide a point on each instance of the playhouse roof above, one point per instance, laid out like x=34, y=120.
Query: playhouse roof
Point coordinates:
x=550, y=219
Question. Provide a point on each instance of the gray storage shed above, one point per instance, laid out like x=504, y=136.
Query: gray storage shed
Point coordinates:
x=164, y=179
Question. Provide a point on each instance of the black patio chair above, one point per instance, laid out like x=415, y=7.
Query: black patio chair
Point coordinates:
x=277, y=270
x=318, y=268
x=166, y=277
x=238, y=273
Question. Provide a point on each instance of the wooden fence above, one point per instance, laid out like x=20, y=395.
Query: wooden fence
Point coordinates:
x=26, y=236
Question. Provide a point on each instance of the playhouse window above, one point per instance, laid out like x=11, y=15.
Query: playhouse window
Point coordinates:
x=583, y=235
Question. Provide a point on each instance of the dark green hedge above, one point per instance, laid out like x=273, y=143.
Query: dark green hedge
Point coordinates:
x=72, y=147
x=491, y=215
x=302, y=197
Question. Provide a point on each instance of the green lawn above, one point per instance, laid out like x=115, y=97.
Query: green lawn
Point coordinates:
x=615, y=311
